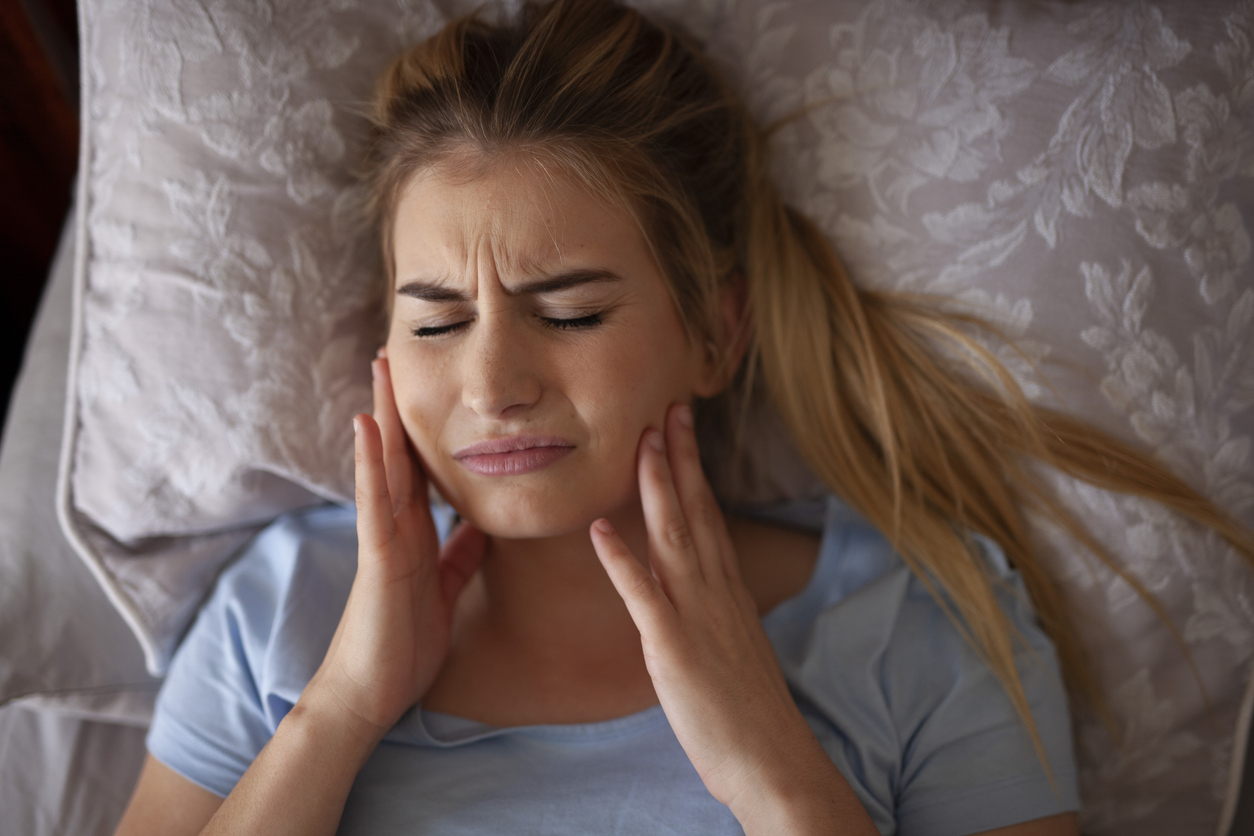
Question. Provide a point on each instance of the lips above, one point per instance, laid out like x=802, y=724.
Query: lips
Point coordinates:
x=512, y=456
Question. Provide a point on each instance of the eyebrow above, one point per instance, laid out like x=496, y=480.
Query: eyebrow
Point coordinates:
x=435, y=292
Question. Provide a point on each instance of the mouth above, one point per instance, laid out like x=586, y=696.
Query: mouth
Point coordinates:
x=512, y=456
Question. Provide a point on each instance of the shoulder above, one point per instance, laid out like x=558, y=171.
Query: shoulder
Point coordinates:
x=280, y=600
x=313, y=550
x=293, y=543
x=283, y=595
x=775, y=561
x=254, y=645
x=864, y=601
x=806, y=555
x=906, y=706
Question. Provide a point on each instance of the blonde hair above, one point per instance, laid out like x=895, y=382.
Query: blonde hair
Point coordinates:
x=891, y=401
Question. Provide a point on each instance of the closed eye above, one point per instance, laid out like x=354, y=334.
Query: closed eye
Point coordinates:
x=439, y=330
x=589, y=321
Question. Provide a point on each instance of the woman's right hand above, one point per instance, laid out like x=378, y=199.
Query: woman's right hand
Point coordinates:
x=394, y=634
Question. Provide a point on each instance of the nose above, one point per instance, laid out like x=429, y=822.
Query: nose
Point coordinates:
x=500, y=378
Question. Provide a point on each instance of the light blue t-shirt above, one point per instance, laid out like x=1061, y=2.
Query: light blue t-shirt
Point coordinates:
x=913, y=719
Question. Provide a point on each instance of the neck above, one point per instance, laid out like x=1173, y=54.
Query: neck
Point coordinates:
x=541, y=636
x=554, y=593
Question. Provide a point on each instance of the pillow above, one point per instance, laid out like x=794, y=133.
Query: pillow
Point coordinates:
x=1082, y=174
x=1078, y=172
x=225, y=308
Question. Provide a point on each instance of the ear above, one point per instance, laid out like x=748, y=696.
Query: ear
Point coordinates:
x=723, y=359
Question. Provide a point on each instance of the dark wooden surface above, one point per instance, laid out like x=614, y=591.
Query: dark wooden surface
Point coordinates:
x=38, y=158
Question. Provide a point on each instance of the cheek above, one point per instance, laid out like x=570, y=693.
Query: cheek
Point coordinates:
x=421, y=393
x=629, y=386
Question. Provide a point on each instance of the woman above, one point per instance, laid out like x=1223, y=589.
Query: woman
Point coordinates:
x=582, y=243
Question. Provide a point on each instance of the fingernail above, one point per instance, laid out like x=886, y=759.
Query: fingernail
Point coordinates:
x=656, y=441
x=356, y=425
x=383, y=352
x=684, y=414
x=603, y=526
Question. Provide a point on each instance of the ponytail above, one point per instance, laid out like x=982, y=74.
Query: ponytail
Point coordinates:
x=922, y=430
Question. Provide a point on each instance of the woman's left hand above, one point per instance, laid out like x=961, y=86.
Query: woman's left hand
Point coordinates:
x=712, y=665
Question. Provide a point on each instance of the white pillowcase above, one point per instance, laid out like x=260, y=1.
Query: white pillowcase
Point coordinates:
x=1079, y=172
x=226, y=300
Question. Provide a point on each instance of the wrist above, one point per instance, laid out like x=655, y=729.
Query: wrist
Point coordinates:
x=302, y=777
x=794, y=811
x=321, y=713
x=794, y=807
x=802, y=794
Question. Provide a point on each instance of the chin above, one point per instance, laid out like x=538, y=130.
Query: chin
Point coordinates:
x=523, y=520
x=515, y=513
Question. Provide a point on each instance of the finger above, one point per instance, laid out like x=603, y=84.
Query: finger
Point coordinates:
x=375, y=526
x=646, y=602
x=405, y=481
x=731, y=567
x=460, y=557
x=672, y=550
x=700, y=508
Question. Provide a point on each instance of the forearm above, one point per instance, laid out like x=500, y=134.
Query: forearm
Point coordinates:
x=300, y=781
x=807, y=796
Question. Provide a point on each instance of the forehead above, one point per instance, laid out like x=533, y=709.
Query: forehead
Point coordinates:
x=514, y=218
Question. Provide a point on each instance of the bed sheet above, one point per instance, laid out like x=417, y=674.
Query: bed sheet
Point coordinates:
x=62, y=774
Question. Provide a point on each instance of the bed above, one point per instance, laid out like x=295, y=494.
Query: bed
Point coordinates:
x=1079, y=172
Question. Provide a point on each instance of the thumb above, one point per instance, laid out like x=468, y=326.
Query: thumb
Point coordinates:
x=460, y=557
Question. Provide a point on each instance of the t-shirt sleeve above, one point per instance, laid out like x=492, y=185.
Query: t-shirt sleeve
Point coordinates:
x=918, y=722
x=253, y=647
x=209, y=722
x=969, y=763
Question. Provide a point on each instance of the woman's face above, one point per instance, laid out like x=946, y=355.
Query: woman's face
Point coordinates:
x=532, y=341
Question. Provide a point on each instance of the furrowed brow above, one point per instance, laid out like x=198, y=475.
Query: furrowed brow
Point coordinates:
x=565, y=281
x=433, y=292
